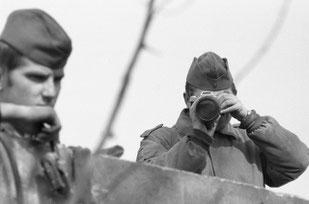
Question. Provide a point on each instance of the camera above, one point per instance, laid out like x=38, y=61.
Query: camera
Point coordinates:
x=207, y=108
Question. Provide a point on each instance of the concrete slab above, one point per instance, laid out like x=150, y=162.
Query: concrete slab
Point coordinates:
x=122, y=182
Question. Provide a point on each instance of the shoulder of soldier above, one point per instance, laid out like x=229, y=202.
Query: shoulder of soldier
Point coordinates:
x=148, y=132
x=162, y=135
x=157, y=129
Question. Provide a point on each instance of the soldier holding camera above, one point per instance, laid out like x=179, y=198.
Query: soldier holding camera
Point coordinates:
x=259, y=151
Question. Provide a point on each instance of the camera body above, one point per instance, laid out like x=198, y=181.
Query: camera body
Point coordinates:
x=207, y=107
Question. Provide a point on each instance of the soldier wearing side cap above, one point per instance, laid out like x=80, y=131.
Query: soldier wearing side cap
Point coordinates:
x=258, y=151
x=35, y=167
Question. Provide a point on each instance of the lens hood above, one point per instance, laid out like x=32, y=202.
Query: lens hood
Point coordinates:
x=207, y=108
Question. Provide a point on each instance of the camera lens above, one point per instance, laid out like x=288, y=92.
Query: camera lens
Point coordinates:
x=207, y=109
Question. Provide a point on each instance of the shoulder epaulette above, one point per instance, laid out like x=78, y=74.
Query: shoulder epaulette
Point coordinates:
x=148, y=132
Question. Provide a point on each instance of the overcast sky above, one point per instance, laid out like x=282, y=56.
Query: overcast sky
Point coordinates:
x=104, y=34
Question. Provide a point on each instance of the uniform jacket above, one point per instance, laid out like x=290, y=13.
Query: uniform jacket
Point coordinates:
x=28, y=176
x=257, y=152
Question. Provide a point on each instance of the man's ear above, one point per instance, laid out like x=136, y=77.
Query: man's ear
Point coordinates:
x=186, y=99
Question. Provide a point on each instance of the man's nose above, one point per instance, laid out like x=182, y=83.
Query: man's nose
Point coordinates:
x=49, y=89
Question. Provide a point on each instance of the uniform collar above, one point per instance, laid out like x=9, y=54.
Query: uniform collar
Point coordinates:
x=184, y=126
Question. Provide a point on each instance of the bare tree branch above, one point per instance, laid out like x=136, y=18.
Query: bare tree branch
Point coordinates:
x=140, y=45
x=260, y=53
x=80, y=187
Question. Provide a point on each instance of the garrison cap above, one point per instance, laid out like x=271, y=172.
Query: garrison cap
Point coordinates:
x=210, y=72
x=38, y=36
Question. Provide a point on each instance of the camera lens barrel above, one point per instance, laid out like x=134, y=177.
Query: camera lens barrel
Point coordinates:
x=207, y=109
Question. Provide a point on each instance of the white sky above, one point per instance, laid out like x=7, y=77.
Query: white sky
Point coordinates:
x=104, y=34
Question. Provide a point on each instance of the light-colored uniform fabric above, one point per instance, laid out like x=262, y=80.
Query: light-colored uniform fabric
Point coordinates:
x=33, y=182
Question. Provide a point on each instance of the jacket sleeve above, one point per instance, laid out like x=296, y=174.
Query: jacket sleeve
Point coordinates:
x=165, y=148
x=284, y=156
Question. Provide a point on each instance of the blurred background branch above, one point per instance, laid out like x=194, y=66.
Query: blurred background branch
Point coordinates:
x=126, y=80
x=84, y=177
x=266, y=45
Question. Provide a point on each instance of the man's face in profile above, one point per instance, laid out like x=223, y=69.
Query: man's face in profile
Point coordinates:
x=31, y=84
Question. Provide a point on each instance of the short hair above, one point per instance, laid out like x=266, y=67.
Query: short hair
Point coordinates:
x=9, y=57
x=189, y=88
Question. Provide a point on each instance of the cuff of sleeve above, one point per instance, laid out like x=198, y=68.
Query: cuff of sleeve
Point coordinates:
x=251, y=122
x=201, y=138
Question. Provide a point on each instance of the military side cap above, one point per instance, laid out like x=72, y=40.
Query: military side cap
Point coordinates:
x=38, y=36
x=210, y=72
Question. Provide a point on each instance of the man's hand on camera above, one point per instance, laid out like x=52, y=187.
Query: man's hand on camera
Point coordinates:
x=230, y=103
x=198, y=124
